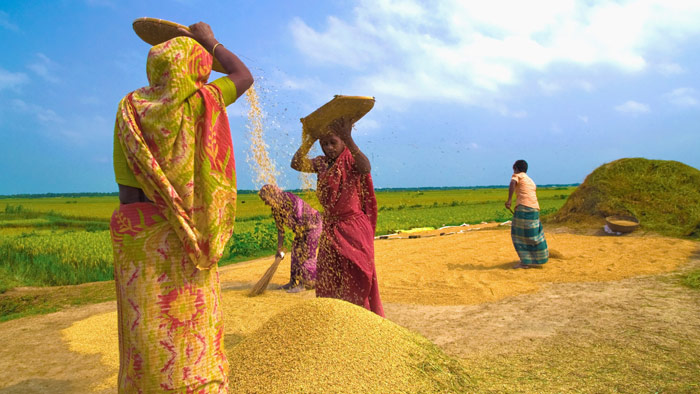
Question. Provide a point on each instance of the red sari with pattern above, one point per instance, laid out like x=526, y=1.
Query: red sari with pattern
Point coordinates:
x=176, y=139
x=345, y=267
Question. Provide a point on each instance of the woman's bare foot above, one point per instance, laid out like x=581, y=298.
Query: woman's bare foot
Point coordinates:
x=297, y=289
x=288, y=285
x=521, y=265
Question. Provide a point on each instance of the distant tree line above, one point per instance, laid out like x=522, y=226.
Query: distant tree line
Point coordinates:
x=247, y=191
x=69, y=195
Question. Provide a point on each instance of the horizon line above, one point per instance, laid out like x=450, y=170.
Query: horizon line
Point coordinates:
x=252, y=191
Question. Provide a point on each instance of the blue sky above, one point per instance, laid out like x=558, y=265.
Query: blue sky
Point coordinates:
x=463, y=88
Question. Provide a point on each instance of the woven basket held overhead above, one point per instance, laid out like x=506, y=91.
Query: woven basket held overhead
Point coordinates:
x=156, y=31
x=351, y=107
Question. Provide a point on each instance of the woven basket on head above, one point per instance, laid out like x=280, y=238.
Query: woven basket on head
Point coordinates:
x=156, y=31
x=351, y=107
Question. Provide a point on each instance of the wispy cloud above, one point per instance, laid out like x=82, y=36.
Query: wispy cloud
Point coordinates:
x=669, y=69
x=683, y=97
x=583, y=118
x=6, y=23
x=472, y=146
x=45, y=68
x=468, y=52
x=555, y=128
x=548, y=87
x=100, y=3
x=311, y=85
x=90, y=100
x=82, y=130
x=553, y=87
x=367, y=126
x=10, y=80
x=509, y=113
x=585, y=86
x=45, y=116
x=632, y=107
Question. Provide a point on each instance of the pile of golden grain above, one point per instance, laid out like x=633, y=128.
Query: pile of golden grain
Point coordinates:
x=331, y=346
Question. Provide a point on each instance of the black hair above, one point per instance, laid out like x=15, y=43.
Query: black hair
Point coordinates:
x=520, y=166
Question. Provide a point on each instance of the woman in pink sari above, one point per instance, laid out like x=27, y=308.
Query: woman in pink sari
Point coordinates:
x=173, y=161
x=345, y=268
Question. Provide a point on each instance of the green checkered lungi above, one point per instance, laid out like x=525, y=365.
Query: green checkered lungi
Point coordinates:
x=528, y=236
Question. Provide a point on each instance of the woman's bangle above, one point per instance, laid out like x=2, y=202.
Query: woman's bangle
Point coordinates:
x=214, y=48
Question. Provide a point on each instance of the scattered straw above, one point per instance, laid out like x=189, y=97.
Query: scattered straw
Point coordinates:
x=97, y=335
x=474, y=267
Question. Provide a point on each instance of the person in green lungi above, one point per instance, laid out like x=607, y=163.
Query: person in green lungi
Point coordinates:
x=526, y=229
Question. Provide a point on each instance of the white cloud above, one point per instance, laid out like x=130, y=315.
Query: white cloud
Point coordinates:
x=6, y=23
x=45, y=68
x=86, y=130
x=468, y=52
x=366, y=126
x=44, y=115
x=342, y=44
x=80, y=130
x=505, y=111
x=551, y=87
x=100, y=3
x=548, y=87
x=632, y=107
x=683, y=97
x=10, y=80
x=583, y=118
x=311, y=85
x=669, y=69
x=585, y=86
x=90, y=100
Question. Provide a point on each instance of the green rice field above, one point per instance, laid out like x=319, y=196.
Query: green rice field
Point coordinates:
x=65, y=240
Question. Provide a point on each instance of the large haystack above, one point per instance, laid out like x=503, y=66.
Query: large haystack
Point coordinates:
x=331, y=346
x=663, y=195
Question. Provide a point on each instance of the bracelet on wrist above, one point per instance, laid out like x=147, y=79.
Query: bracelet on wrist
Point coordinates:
x=214, y=48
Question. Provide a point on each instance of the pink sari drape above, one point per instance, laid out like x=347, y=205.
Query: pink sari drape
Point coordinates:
x=346, y=267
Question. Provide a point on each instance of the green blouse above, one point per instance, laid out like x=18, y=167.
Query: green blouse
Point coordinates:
x=123, y=174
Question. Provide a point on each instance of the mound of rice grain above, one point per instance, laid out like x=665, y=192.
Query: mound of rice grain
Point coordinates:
x=663, y=195
x=331, y=346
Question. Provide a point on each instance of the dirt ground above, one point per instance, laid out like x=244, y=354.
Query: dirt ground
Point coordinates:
x=457, y=290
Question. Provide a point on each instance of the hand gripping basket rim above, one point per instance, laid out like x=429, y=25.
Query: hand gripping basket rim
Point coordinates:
x=353, y=107
x=156, y=31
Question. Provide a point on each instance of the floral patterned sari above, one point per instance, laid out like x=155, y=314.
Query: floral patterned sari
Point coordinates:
x=176, y=139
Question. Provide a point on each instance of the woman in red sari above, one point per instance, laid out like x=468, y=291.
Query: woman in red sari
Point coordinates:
x=345, y=267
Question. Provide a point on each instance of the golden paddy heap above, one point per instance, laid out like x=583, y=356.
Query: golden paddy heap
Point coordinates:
x=327, y=345
x=298, y=341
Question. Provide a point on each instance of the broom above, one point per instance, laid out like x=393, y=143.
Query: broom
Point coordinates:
x=261, y=286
